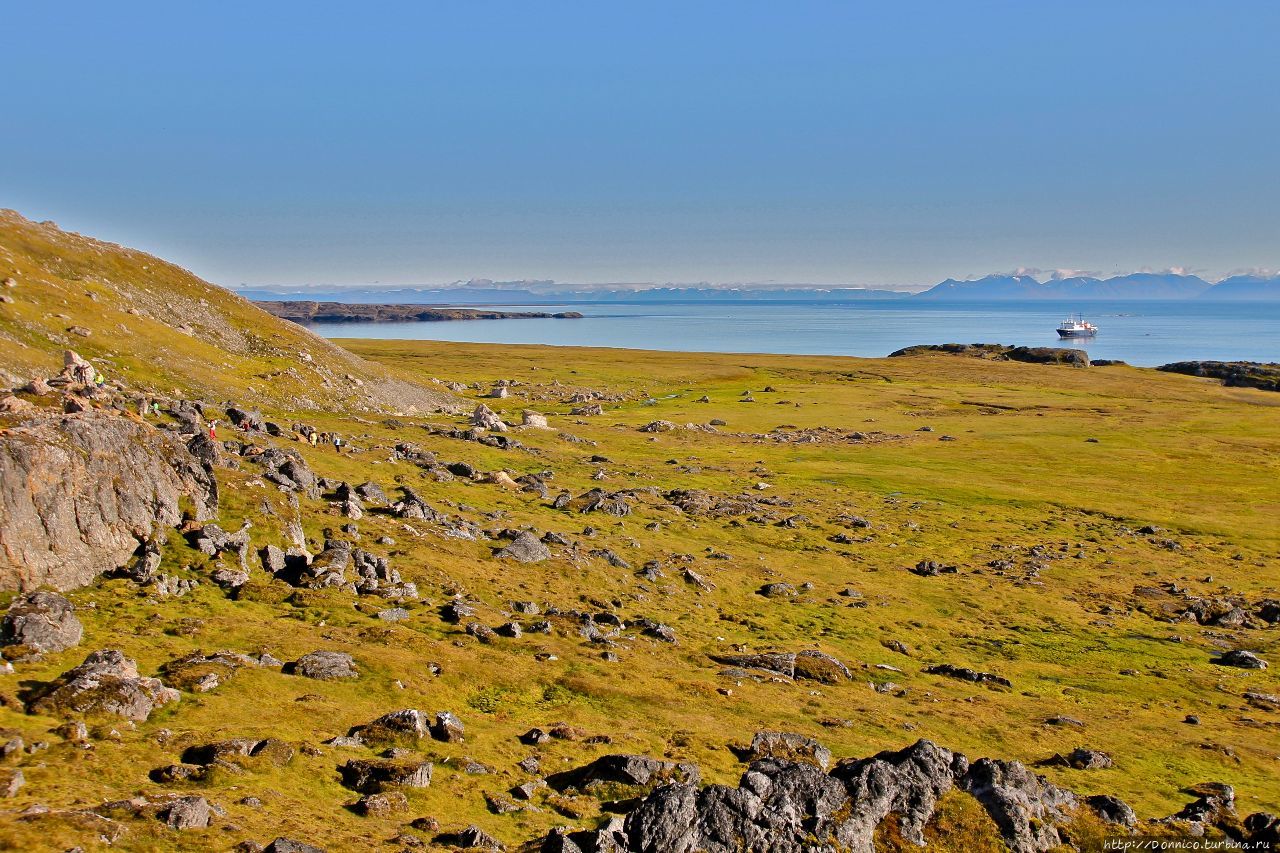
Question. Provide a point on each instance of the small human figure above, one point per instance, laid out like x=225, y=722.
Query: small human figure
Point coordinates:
x=99, y=379
x=337, y=443
x=314, y=438
x=213, y=430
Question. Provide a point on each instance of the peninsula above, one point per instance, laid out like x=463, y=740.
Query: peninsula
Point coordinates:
x=306, y=313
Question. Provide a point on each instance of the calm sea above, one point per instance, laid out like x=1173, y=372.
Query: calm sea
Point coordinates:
x=1141, y=333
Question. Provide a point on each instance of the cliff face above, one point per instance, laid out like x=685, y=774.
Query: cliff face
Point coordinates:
x=78, y=492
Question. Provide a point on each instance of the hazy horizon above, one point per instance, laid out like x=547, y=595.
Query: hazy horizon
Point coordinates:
x=837, y=144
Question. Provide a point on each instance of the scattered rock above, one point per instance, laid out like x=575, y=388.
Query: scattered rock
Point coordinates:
x=1081, y=759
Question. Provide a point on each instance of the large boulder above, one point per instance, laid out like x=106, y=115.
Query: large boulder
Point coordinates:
x=790, y=747
x=373, y=775
x=79, y=492
x=627, y=771
x=325, y=666
x=792, y=807
x=40, y=622
x=525, y=548
x=106, y=683
x=407, y=726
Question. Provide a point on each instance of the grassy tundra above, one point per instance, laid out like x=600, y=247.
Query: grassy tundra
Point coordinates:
x=1067, y=500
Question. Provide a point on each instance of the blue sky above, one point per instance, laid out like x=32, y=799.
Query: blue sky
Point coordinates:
x=866, y=143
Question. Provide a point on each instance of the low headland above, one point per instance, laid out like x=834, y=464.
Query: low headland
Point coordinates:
x=308, y=313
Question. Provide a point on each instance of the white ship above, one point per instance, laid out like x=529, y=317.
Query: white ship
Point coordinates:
x=1076, y=328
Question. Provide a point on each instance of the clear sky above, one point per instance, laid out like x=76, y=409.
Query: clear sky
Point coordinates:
x=843, y=142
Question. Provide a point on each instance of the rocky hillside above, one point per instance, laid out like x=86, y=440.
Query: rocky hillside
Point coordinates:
x=162, y=329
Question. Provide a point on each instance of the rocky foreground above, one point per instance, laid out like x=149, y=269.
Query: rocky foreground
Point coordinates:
x=100, y=484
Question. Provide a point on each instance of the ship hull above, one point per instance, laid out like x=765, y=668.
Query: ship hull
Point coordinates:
x=1064, y=333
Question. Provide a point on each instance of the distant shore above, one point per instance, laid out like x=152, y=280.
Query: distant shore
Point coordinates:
x=306, y=313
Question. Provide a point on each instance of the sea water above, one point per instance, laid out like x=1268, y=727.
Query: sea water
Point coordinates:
x=1146, y=333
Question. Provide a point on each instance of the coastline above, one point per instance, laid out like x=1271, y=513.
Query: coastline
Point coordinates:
x=306, y=313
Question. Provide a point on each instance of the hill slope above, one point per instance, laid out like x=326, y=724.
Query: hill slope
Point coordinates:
x=162, y=329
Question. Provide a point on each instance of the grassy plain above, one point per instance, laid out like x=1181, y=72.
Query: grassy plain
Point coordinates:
x=1188, y=456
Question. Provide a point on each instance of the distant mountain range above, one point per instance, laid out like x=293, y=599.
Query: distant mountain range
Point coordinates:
x=1134, y=286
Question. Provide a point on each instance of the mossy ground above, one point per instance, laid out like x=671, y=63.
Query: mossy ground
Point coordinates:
x=1184, y=454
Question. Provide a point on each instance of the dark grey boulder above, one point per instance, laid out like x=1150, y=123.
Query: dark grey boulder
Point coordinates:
x=1026, y=807
x=40, y=622
x=372, y=775
x=1241, y=659
x=1082, y=759
x=1112, y=809
x=525, y=548
x=964, y=673
x=187, y=813
x=625, y=770
x=447, y=727
x=789, y=807
x=288, y=845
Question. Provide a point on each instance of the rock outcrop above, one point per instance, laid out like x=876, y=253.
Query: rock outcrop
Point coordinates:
x=78, y=493
x=107, y=683
x=784, y=806
x=1234, y=374
x=791, y=807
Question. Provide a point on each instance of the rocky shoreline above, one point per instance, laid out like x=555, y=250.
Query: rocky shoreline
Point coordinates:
x=307, y=313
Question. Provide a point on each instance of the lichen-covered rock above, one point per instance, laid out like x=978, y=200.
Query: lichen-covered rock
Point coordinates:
x=638, y=771
x=789, y=746
x=198, y=672
x=525, y=548
x=809, y=664
x=326, y=666
x=79, y=492
x=370, y=776
x=241, y=752
x=408, y=725
x=39, y=622
x=1027, y=808
x=106, y=683
x=187, y=813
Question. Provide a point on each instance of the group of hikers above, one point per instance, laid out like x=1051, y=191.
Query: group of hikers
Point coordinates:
x=308, y=434
x=317, y=438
